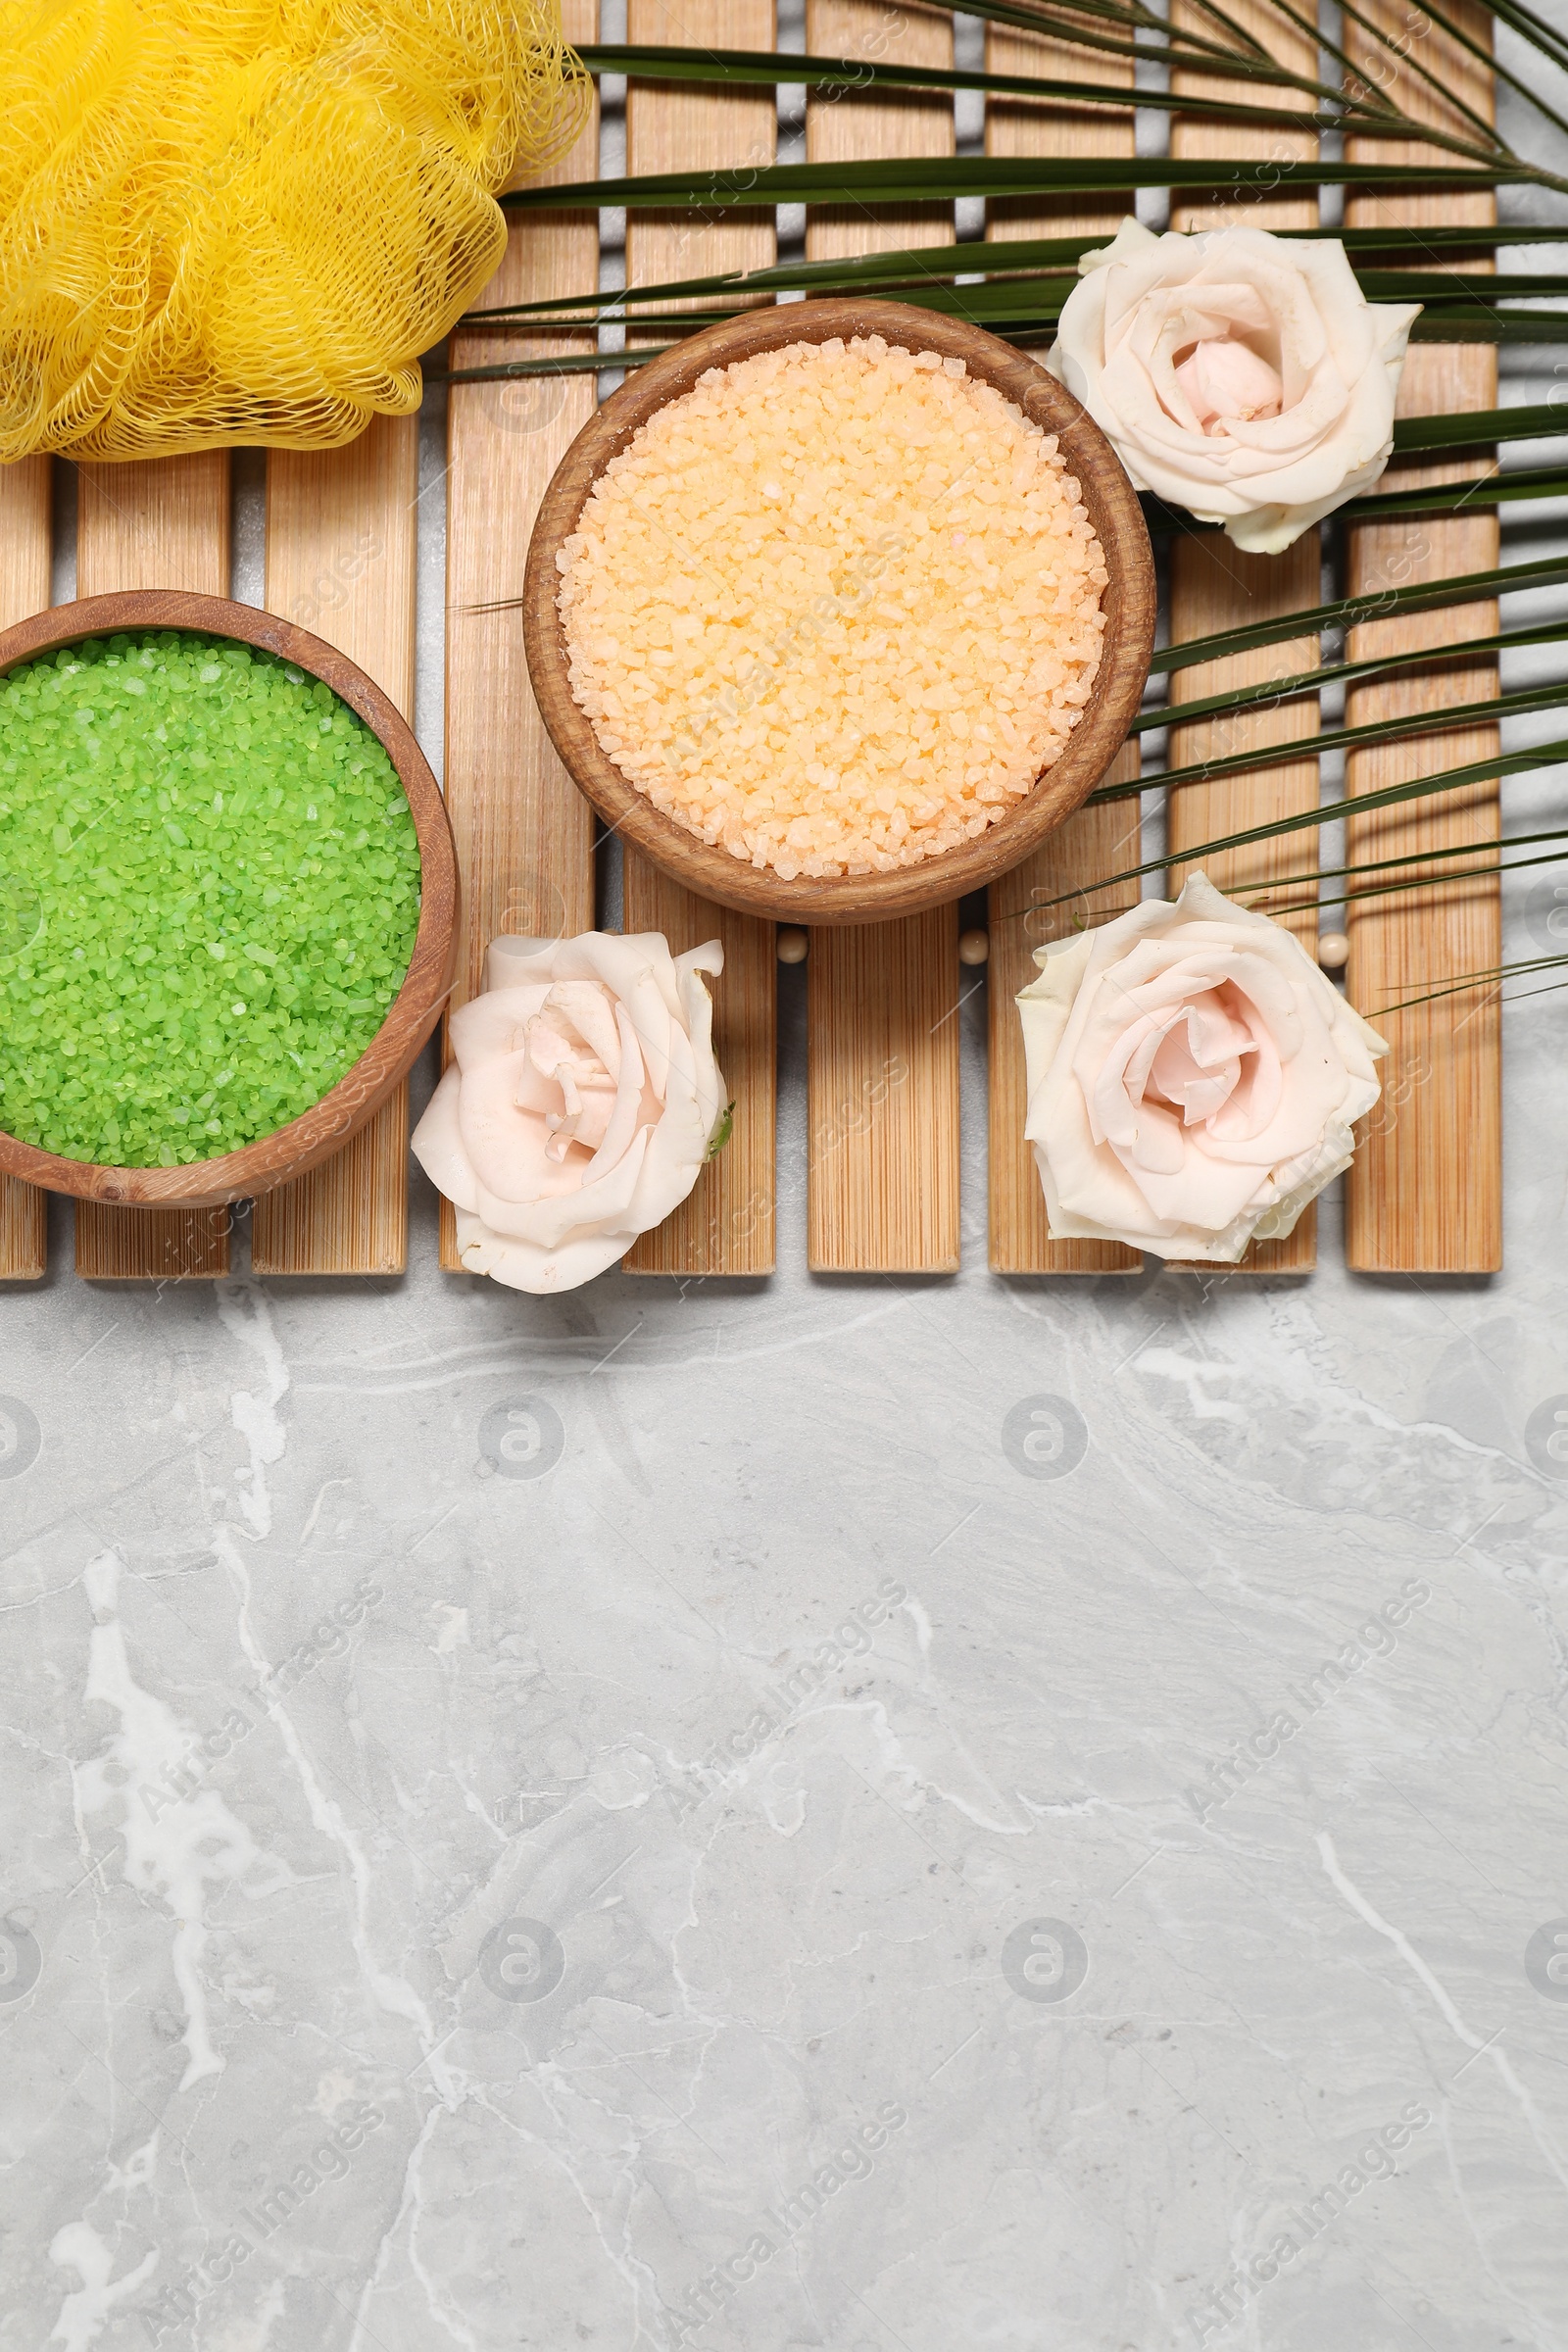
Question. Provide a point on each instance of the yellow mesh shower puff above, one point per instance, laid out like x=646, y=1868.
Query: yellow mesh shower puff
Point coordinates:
x=243, y=220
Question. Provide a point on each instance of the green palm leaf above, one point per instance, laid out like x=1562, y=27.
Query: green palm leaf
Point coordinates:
x=1432, y=859
x=1449, y=498
x=1469, y=429
x=941, y=179
x=1466, y=324
x=1518, y=485
x=1443, y=720
x=942, y=263
x=1027, y=309
x=841, y=76
x=1347, y=611
x=1498, y=973
x=1271, y=691
x=1365, y=804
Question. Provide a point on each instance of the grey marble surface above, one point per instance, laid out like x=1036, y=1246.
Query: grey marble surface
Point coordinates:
x=758, y=1816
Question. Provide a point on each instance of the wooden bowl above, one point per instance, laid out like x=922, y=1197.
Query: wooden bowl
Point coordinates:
x=414, y=1012
x=1129, y=604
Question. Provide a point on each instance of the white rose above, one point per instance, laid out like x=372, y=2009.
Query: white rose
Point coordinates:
x=1193, y=1078
x=1240, y=376
x=581, y=1102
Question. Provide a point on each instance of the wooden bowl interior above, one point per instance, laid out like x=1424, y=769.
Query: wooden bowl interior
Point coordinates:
x=1129, y=604
x=414, y=1012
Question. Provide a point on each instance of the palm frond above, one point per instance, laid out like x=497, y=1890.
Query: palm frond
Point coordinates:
x=1473, y=428
x=1468, y=982
x=1016, y=287
x=942, y=180
x=1535, y=30
x=1288, y=687
x=1429, y=857
x=577, y=362
x=1365, y=804
x=1350, y=612
x=1026, y=311
x=1490, y=873
x=1474, y=323
x=1519, y=485
x=842, y=76
x=1522, y=482
x=1457, y=285
x=1351, y=102
x=939, y=265
x=1445, y=719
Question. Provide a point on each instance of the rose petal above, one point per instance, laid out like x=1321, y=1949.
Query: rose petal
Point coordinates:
x=1224, y=378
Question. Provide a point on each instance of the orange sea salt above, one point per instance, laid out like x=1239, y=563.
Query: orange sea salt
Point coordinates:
x=837, y=608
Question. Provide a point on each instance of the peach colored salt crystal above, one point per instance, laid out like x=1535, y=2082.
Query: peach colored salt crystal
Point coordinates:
x=835, y=609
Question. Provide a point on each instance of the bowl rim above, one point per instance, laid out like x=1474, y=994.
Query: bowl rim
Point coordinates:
x=293, y=1149
x=1130, y=603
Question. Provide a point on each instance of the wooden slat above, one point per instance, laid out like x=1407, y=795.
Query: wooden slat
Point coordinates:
x=882, y=1097
x=1022, y=127
x=349, y=1216
x=1100, y=840
x=153, y=525
x=727, y=1226
x=151, y=1245
x=886, y=1196
x=341, y=561
x=24, y=540
x=854, y=130
x=524, y=832
x=23, y=589
x=23, y=1231
x=1214, y=586
x=1426, y=1194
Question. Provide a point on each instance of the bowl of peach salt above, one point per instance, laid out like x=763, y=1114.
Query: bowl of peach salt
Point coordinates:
x=836, y=609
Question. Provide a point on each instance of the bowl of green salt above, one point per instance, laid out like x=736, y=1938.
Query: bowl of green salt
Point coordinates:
x=227, y=898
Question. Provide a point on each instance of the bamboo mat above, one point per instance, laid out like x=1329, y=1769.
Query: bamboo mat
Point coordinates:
x=727, y=1225
x=882, y=1001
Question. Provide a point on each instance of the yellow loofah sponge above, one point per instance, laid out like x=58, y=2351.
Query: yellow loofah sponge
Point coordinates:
x=243, y=220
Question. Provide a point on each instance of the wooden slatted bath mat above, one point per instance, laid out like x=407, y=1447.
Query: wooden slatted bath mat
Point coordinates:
x=882, y=1190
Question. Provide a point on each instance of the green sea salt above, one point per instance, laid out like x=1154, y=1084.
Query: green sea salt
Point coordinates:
x=208, y=895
